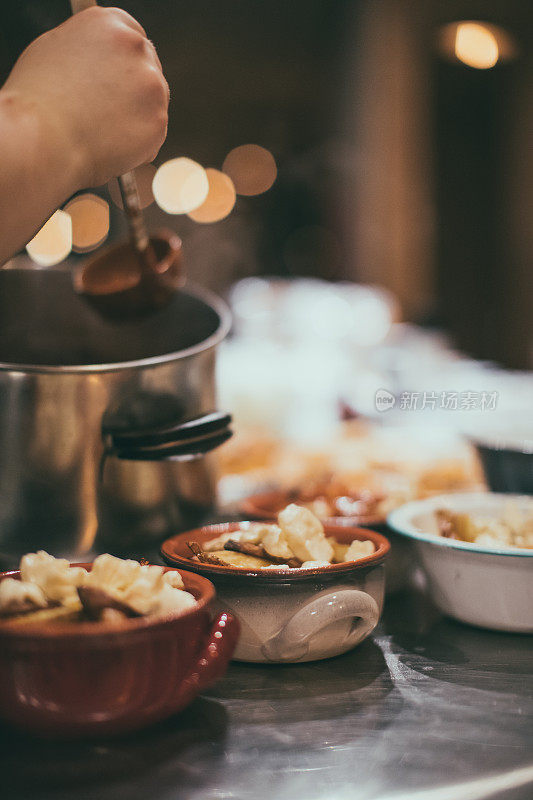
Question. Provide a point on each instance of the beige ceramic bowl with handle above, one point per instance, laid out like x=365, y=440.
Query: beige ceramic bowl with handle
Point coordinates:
x=299, y=614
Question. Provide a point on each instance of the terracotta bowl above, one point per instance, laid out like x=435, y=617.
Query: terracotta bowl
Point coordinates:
x=297, y=615
x=91, y=678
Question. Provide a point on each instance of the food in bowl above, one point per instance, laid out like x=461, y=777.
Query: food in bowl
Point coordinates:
x=297, y=541
x=334, y=497
x=96, y=678
x=512, y=527
x=401, y=464
x=290, y=614
x=484, y=584
x=330, y=498
x=51, y=590
x=365, y=506
x=363, y=497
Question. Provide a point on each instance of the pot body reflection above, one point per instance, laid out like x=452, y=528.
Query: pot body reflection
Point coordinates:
x=76, y=375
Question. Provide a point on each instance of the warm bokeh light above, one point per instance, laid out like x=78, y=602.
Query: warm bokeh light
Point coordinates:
x=144, y=176
x=220, y=199
x=180, y=185
x=476, y=45
x=90, y=221
x=251, y=168
x=53, y=243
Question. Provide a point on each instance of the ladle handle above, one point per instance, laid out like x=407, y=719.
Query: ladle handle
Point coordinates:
x=81, y=5
x=132, y=208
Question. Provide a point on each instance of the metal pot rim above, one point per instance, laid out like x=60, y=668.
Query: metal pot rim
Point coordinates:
x=153, y=361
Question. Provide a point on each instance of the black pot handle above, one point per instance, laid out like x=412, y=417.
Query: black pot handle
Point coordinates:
x=180, y=441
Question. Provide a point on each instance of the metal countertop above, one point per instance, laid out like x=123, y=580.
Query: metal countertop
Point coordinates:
x=427, y=709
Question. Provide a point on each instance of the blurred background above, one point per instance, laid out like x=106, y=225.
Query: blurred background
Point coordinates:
x=399, y=137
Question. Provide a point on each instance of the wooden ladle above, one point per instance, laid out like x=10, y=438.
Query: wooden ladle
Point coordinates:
x=114, y=283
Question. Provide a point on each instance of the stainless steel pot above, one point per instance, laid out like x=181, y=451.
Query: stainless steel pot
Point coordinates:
x=94, y=453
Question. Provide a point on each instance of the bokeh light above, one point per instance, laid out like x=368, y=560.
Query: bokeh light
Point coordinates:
x=251, y=168
x=90, y=221
x=476, y=45
x=220, y=199
x=144, y=176
x=180, y=185
x=53, y=243
x=480, y=45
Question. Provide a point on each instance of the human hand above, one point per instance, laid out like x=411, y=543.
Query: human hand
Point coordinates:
x=97, y=86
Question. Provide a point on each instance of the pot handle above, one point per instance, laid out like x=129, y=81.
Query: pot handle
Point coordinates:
x=291, y=643
x=179, y=441
x=212, y=660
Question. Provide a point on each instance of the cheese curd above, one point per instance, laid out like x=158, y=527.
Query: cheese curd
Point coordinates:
x=149, y=593
x=358, y=549
x=112, y=574
x=276, y=544
x=51, y=582
x=339, y=550
x=173, y=579
x=304, y=534
x=54, y=576
x=512, y=528
x=146, y=589
x=299, y=536
x=18, y=596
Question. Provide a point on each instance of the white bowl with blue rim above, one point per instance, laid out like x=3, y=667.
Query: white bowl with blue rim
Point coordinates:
x=491, y=587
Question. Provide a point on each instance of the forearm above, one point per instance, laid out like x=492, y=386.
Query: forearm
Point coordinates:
x=37, y=171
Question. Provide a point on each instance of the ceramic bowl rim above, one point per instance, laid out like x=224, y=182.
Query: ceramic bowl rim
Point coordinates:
x=93, y=631
x=274, y=575
x=400, y=520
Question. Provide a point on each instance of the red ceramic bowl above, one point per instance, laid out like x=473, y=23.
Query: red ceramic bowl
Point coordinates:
x=267, y=505
x=91, y=678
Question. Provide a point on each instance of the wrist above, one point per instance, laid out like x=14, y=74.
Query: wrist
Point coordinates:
x=50, y=154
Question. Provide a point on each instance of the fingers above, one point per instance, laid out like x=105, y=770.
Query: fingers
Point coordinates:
x=159, y=67
x=151, y=47
x=132, y=23
x=128, y=20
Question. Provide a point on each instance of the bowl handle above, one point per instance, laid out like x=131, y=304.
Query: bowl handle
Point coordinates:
x=291, y=643
x=212, y=660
